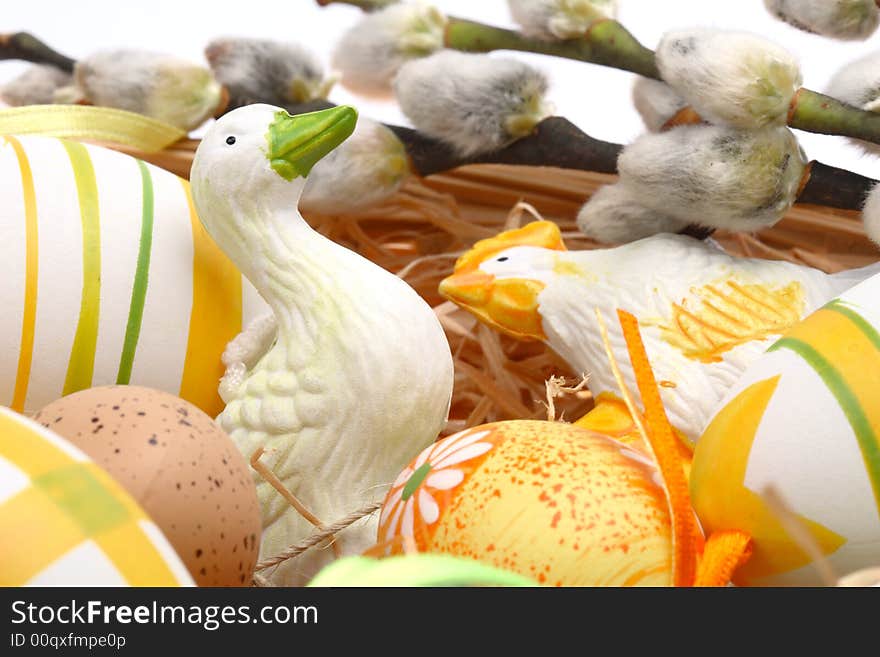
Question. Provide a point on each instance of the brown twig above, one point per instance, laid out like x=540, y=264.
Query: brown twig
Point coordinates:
x=273, y=480
x=606, y=42
x=365, y=5
x=27, y=47
x=556, y=142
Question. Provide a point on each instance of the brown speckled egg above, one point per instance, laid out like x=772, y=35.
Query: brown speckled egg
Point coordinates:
x=179, y=465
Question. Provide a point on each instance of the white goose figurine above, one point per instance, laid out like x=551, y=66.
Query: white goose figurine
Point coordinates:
x=357, y=378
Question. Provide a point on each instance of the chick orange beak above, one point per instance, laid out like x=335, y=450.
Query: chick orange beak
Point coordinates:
x=509, y=305
x=471, y=289
x=297, y=143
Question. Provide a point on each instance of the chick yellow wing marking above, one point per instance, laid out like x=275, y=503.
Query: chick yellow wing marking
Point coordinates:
x=29, y=315
x=722, y=501
x=567, y=268
x=729, y=314
x=844, y=350
x=215, y=318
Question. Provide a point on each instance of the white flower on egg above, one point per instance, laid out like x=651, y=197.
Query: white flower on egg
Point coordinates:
x=553, y=20
x=716, y=176
x=614, y=215
x=731, y=78
x=840, y=19
x=373, y=50
x=474, y=103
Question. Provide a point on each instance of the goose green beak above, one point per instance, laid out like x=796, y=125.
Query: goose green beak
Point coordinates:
x=297, y=143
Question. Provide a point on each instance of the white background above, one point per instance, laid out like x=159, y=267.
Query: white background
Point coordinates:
x=597, y=99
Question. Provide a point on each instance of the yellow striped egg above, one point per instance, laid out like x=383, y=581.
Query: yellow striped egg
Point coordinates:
x=551, y=501
x=108, y=277
x=803, y=420
x=65, y=522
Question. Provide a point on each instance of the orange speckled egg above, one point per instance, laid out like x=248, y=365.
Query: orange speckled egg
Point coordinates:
x=563, y=505
x=179, y=465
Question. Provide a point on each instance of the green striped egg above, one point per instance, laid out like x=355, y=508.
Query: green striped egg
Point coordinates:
x=108, y=277
x=804, y=419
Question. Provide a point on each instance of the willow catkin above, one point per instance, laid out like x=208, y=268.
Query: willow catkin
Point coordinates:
x=161, y=86
x=731, y=78
x=740, y=180
x=372, y=51
x=839, y=19
x=656, y=102
x=871, y=215
x=474, y=103
x=553, y=20
x=858, y=83
x=614, y=215
x=266, y=71
x=35, y=86
x=368, y=168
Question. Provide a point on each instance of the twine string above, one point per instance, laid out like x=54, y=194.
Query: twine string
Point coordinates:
x=318, y=537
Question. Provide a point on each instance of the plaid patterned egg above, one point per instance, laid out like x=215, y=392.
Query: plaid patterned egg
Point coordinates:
x=65, y=522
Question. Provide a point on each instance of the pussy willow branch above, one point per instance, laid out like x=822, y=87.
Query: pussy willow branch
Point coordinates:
x=24, y=46
x=556, y=142
x=366, y=5
x=608, y=43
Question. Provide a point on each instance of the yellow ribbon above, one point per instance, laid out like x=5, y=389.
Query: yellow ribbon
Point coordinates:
x=88, y=122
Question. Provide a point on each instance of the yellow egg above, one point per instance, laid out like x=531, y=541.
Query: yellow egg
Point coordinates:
x=804, y=419
x=548, y=500
x=108, y=277
x=65, y=522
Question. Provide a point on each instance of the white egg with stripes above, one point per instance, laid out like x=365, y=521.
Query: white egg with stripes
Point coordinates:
x=803, y=421
x=108, y=277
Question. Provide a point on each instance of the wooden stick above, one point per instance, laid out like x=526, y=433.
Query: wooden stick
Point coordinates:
x=292, y=499
x=606, y=42
x=27, y=47
x=365, y=5
x=557, y=142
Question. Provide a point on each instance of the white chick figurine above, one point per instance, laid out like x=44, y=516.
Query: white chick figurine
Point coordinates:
x=704, y=315
x=358, y=379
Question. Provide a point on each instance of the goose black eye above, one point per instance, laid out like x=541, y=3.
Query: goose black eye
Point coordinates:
x=230, y=140
x=503, y=259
